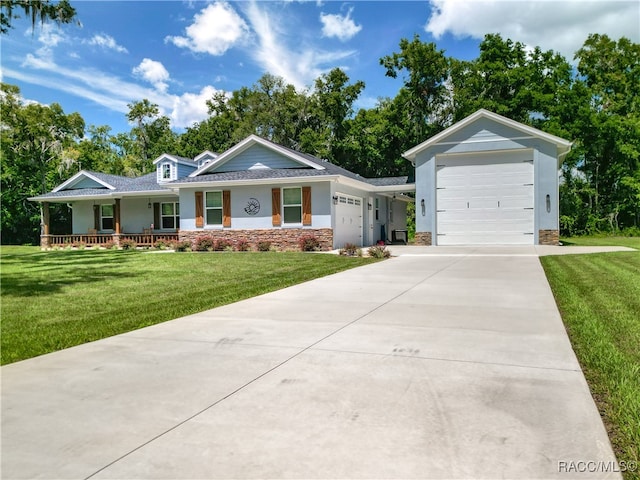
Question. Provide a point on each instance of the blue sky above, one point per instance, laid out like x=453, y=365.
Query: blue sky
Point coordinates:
x=178, y=53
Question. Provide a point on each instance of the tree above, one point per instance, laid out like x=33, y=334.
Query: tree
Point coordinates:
x=34, y=139
x=152, y=136
x=508, y=80
x=42, y=10
x=98, y=151
x=609, y=130
x=424, y=97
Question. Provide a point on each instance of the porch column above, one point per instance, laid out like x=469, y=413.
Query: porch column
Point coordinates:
x=45, y=220
x=116, y=222
x=116, y=215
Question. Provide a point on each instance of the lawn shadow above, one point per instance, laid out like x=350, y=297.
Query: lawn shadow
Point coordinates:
x=25, y=275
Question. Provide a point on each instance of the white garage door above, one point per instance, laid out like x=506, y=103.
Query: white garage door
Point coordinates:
x=348, y=221
x=485, y=199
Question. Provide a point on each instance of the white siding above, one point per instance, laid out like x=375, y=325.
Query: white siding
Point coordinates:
x=82, y=217
x=240, y=196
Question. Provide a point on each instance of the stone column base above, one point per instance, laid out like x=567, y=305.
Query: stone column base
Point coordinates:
x=45, y=241
x=423, y=238
x=548, y=237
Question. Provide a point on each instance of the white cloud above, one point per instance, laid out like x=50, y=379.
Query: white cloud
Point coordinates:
x=51, y=36
x=299, y=65
x=107, y=42
x=189, y=108
x=562, y=26
x=343, y=28
x=215, y=29
x=113, y=92
x=153, y=72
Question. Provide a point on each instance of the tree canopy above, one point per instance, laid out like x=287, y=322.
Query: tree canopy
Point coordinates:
x=36, y=10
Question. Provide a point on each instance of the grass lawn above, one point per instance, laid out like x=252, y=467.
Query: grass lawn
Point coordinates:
x=597, y=240
x=599, y=298
x=58, y=299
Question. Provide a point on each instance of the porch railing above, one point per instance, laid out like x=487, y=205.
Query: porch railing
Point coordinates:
x=149, y=239
x=101, y=239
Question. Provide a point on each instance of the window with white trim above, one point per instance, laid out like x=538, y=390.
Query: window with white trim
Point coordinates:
x=106, y=217
x=213, y=208
x=377, y=208
x=166, y=171
x=292, y=205
x=170, y=215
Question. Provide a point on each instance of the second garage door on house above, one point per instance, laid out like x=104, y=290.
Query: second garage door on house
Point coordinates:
x=348, y=228
x=485, y=198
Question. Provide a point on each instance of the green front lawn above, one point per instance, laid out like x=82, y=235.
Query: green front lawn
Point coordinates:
x=599, y=298
x=602, y=240
x=58, y=299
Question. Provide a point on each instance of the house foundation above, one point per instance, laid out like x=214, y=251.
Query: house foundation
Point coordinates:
x=281, y=239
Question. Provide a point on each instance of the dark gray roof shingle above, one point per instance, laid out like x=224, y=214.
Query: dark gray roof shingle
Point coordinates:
x=389, y=181
x=144, y=183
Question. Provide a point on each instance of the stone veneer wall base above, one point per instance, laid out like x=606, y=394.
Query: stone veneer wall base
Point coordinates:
x=423, y=238
x=548, y=237
x=280, y=238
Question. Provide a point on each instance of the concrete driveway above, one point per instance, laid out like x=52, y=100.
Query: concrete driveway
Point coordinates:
x=449, y=363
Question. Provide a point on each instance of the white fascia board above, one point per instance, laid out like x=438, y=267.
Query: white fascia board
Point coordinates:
x=244, y=145
x=71, y=198
x=400, y=197
x=266, y=181
x=561, y=143
x=82, y=173
x=359, y=184
x=148, y=193
x=106, y=196
x=409, y=187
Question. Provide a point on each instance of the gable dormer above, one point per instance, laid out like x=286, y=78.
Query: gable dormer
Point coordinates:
x=172, y=167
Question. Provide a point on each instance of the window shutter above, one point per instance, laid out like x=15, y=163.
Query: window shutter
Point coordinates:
x=156, y=216
x=226, y=208
x=275, y=207
x=306, y=206
x=199, y=211
x=96, y=217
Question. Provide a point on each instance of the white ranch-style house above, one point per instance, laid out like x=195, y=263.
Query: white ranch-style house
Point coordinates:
x=257, y=191
x=484, y=180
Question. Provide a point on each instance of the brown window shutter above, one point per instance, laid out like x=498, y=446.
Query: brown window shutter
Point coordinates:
x=306, y=205
x=226, y=208
x=156, y=216
x=275, y=207
x=199, y=211
x=96, y=217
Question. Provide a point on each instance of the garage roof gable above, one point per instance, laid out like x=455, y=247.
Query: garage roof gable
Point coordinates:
x=563, y=146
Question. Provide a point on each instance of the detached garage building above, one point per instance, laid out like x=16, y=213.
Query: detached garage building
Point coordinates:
x=488, y=180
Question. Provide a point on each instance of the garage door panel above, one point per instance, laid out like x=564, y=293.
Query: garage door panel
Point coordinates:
x=348, y=228
x=484, y=199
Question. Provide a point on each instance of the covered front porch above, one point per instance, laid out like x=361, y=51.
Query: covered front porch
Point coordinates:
x=110, y=222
